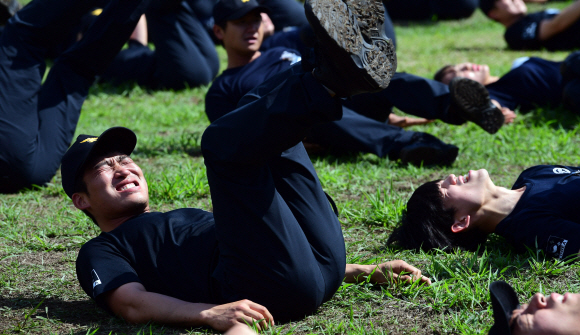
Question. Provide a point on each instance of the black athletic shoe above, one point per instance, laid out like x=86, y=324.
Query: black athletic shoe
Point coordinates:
x=570, y=67
x=471, y=101
x=353, y=55
x=571, y=96
x=428, y=150
x=7, y=10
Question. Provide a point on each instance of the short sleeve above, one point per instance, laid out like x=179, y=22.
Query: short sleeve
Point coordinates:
x=523, y=35
x=101, y=268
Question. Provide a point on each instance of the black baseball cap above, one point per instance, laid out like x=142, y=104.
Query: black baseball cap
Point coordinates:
x=87, y=147
x=503, y=300
x=227, y=10
x=486, y=5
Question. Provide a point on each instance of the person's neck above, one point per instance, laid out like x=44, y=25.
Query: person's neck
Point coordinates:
x=237, y=60
x=107, y=225
x=491, y=80
x=509, y=21
x=499, y=204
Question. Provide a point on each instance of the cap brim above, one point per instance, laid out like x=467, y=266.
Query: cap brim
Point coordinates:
x=504, y=301
x=241, y=13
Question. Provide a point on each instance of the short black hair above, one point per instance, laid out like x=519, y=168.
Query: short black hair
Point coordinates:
x=486, y=6
x=426, y=224
x=440, y=74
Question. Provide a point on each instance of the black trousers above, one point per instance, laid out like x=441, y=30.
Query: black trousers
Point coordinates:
x=38, y=121
x=280, y=242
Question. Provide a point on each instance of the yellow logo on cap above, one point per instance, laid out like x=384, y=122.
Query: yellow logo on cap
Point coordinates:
x=90, y=140
x=244, y=1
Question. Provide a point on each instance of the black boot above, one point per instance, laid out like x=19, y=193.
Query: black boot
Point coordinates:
x=353, y=55
x=570, y=67
x=427, y=149
x=571, y=96
x=471, y=101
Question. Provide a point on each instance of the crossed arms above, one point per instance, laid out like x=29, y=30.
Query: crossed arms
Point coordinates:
x=135, y=304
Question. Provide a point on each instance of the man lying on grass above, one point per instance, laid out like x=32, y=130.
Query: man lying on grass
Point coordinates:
x=273, y=246
x=555, y=314
x=530, y=83
x=551, y=29
x=460, y=211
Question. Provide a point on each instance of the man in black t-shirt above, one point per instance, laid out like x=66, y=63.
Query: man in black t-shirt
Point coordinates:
x=273, y=246
x=540, y=210
x=550, y=29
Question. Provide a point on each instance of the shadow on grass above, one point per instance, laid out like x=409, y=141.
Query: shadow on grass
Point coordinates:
x=52, y=315
x=555, y=117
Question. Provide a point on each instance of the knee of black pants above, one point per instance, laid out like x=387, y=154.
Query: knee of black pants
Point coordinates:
x=454, y=9
x=14, y=179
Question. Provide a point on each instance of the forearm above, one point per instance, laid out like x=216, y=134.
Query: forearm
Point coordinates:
x=560, y=22
x=355, y=273
x=149, y=306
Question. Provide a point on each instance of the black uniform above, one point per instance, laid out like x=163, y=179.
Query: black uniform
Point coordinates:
x=547, y=212
x=273, y=237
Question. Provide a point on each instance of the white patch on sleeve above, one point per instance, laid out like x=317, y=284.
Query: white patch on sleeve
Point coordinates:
x=291, y=57
x=96, y=279
x=561, y=170
x=530, y=32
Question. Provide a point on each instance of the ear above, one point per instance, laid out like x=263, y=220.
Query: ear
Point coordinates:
x=81, y=201
x=461, y=224
x=218, y=32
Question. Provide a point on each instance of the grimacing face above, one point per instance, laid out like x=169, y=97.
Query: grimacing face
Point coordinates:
x=116, y=187
x=548, y=315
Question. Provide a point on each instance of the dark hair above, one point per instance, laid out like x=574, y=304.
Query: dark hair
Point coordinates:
x=486, y=6
x=426, y=224
x=81, y=186
x=440, y=74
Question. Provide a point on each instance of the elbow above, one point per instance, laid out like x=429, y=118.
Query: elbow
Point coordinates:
x=132, y=315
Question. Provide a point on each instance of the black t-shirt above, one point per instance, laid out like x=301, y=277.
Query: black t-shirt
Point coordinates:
x=547, y=211
x=524, y=34
x=537, y=82
x=229, y=88
x=171, y=253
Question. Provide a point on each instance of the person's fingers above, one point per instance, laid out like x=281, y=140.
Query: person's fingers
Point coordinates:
x=266, y=315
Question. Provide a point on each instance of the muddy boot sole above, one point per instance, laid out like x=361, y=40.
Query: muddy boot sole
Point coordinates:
x=351, y=34
x=473, y=104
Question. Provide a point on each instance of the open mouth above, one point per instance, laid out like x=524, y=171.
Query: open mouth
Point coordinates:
x=126, y=186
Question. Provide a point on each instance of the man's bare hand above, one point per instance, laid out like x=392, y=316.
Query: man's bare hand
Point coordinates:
x=388, y=272
x=395, y=271
x=223, y=317
x=508, y=114
x=268, y=25
x=405, y=121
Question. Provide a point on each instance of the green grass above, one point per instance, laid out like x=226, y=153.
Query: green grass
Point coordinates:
x=41, y=232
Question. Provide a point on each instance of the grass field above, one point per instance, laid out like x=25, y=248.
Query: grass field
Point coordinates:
x=41, y=232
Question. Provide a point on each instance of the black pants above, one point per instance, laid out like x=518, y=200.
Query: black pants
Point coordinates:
x=184, y=55
x=280, y=242
x=428, y=9
x=38, y=121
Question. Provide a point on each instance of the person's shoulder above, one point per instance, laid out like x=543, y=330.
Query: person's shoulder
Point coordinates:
x=282, y=53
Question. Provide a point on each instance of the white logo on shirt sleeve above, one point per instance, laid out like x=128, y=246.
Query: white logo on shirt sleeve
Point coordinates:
x=291, y=57
x=561, y=171
x=96, y=280
x=530, y=32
